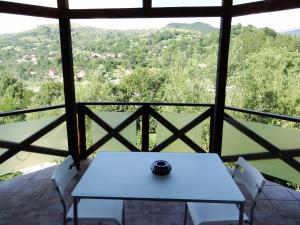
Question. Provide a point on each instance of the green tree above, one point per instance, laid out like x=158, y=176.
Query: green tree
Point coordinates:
x=50, y=93
x=143, y=85
x=13, y=96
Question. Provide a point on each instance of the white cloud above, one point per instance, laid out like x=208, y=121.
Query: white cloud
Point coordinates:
x=84, y=4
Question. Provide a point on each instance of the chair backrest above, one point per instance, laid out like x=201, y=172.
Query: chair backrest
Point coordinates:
x=249, y=176
x=63, y=174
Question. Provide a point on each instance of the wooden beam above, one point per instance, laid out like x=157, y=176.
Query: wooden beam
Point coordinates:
x=222, y=67
x=28, y=10
x=264, y=7
x=147, y=4
x=81, y=129
x=213, y=11
x=68, y=79
x=211, y=129
x=147, y=11
x=145, y=128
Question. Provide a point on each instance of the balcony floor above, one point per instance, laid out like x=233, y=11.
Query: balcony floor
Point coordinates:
x=31, y=200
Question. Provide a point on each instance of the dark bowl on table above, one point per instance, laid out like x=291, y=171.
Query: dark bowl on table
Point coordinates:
x=161, y=167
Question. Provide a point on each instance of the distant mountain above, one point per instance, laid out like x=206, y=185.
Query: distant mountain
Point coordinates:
x=296, y=32
x=198, y=26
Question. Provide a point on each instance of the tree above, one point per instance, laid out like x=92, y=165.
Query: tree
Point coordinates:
x=50, y=93
x=143, y=85
x=13, y=96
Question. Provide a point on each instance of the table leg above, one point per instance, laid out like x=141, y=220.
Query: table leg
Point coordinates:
x=75, y=210
x=241, y=219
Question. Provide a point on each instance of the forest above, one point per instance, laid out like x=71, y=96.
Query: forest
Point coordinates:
x=176, y=63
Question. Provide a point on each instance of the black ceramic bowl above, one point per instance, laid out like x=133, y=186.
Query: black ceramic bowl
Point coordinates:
x=161, y=167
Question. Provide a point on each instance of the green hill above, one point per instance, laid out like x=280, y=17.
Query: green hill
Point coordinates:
x=198, y=26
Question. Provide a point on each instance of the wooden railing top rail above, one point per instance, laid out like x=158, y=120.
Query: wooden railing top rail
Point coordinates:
x=23, y=111
x=230, y=108
x=146, y=103
x=264, y=114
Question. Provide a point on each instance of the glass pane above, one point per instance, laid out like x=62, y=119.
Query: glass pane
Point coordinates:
x=264, y=72
x=185, y=3
x=23, y=161
x=145, y=60
x=56, y=138
x=179, y=120
x=49, y=3
x=114, y=119
x=79, y=4
x=278, y=168
x=30, y=63
x=16, y=132
x=264, y=75
x=236, y=143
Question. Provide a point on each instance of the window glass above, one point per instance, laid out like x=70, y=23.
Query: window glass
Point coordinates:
x=185, y=3
x=48, y=3
x=145, y=60
x=79, y=4
x=264, y=67
x=30, y=63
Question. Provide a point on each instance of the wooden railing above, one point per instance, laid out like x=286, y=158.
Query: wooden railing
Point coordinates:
x=143, y=112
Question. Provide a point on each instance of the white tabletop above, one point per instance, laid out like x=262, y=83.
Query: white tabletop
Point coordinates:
x=194, y=177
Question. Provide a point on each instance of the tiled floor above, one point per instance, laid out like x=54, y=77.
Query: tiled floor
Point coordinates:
x=32, y=200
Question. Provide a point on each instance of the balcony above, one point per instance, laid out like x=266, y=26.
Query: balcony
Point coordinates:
x=31, y=198
x=151, y=127
x=83, y=128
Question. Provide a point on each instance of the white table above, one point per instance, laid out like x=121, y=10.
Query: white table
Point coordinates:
x=195, y=177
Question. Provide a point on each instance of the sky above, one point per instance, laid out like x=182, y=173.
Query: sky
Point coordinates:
x=279, y=21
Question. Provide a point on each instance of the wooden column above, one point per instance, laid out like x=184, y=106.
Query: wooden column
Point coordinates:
x=145, y=128
x=68, y=75
x=224, y=41
x=147, y=4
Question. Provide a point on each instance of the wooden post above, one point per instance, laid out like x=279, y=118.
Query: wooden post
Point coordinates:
x=81, y=130
x=68, y=75
x=222, y=67
x=211, y=122
x=145, y=128
x=147, y=4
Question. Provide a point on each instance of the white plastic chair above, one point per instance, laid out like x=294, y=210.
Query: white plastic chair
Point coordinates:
x=246, y=174
x=96, y=209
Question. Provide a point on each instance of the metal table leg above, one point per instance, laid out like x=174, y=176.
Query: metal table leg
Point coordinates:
x=241, y=219
x=75, y=210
